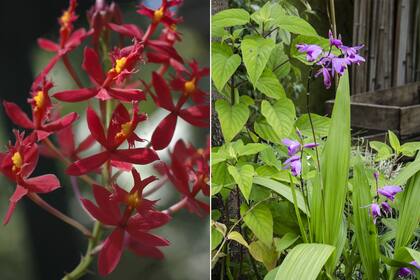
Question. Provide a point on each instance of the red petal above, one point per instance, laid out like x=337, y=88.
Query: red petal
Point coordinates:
x=164, y=132
x=65, y=139
x=197, y=115
x=92, y=66
x=163, y=94
x=76, y=95
x=111, y=252
x=76, y=38
x=129, y=30
x=124, y=166
x=135, y=156
x=98, y=214
x=148, y=238
x=85, y=144
x=95, y=126
x=141, y=249
x=151, y=220
x=103, y=198
x=119, y=116
x=43, y=184
x=127, y=95
x=61, y=123
x=17, y=116
x=17, y=195
x=87, y=165
x=48, y=45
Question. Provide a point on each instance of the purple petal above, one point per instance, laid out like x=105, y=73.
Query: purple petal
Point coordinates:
x=386, y=208
x=311, y=145
x=292, y=146
x=292, y=159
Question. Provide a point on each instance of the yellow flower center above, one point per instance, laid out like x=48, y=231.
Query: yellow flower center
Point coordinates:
x=17, y=161
x=189, y=86
x=66, y=17
x=158, y=15
x=133, y=200
x=120, y=64
x=125, y=130
x=200, y=152
x=173, y=27
x=39, y=99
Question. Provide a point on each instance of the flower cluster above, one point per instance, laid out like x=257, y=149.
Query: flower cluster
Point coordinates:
x=330, y=63
x=293, y=148
x=405, y=271
x=114, y=120
x=389, y=192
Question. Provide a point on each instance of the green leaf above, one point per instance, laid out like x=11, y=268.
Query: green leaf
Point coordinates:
x=285, y=242
x=270, y=85
x=321, y=125
x=220, y=178
x=250, y=149
x=223, y=64
x=409, y=149
x=280, y=116
x=296, y=25
x=232, y=118
x=406, y=173
x=266, y=132
x=230, y=17
x=383, y=150
x=263, y=15
x=255, y=53
x=365, y=230
x=282, y=190
x=216, y=238
x=393, y=140
x=335, y=167
x=260, y=221
x=409, y=212
x=305, y=261
x=234, y=235
x=243, y=177
x=262, y=253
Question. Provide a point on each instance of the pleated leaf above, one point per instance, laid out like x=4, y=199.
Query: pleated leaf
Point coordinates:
x=305, y=261
x=335, y=167
x=365, y=229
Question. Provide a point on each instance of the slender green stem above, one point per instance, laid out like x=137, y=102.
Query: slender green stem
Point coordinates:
x=301, y=227
x=87, y=259
x=71, y=71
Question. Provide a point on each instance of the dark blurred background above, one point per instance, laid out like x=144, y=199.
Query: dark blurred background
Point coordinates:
x=34, y=245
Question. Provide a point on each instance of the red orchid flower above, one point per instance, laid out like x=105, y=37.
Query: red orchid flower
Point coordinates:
x=69, y=40
x=164, y=52
x=134, y=198
x=124, y=61
x=121, y=128
x=41, y=111
x=182, y=176
x=188, y=83
x=197, y=115
x=128, y=228
x=163, y=14
x=17, y=164
x=99, y=16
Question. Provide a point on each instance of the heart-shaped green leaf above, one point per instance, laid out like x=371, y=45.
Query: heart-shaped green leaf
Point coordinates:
x=260, y=221
x=223, y=64
x=243, y=177
x=232, y=118
x=280, y=116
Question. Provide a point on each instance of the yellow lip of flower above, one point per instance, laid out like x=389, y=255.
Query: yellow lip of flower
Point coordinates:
x=119, y=65
x=39, y=99
x=134, y=200
x=66, y=17
x=158, y=15
x=17, y=161
x=125, y=131
x=189, y=86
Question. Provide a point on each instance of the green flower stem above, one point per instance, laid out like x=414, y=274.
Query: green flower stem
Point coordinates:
x=301, y=227
x=87, y=259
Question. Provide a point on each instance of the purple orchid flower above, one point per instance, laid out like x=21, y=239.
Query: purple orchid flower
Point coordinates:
x=294, y=164
x=312, y=51
x=335, y=41
x=292, y=146
x=326, y=75
x=386, y=208
x=389, y=191
x=339, y=65
x=375, y=211
x=405, y=271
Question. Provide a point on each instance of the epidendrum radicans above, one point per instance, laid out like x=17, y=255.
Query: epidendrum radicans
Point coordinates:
x=117, y=91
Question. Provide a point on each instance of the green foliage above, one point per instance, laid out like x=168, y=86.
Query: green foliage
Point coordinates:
x=232, y=118
x=260, y=221
x=223, y=64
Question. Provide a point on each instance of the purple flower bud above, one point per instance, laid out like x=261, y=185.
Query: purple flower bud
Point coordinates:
x=376, y=175
x=299, y=133
x=310, y=145
x=375, y=211
x=386, y=208
x=389, y=191
x=334, y=41
x=312, y=51
x=292, y=146
x=404, y=272
x=326, y=75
